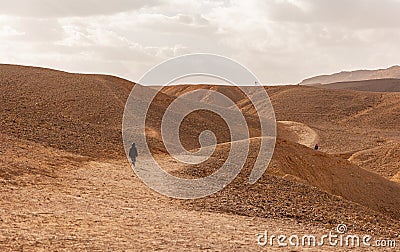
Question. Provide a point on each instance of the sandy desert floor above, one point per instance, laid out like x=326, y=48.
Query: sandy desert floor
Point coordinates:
x=97, y=206
x=101, y=205
x=66, y=184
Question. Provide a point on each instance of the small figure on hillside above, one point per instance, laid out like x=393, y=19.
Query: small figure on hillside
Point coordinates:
x=133, y=153
x=316, y=147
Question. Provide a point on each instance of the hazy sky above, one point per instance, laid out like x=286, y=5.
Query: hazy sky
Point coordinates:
x=281, y=41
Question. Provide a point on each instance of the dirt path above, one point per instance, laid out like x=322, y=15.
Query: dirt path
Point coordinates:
x=383, y=159
x=54, y=200
x=103, y=206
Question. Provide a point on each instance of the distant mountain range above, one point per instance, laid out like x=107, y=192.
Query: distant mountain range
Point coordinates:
x=375, y=85
x=359, y=75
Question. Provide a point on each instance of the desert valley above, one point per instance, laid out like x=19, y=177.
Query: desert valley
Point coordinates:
x=66, y=183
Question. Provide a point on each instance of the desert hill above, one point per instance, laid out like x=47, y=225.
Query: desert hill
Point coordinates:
x=83, y=113
x=74, y=112
x=342, y=108
x=376, y=85
x=341, y=121
x=76, y=120
x=339, y=117
x=329, y=173
x=359, y=75
x=312, y=105
x=336, y=176
x=384, y=159
x=302, y=186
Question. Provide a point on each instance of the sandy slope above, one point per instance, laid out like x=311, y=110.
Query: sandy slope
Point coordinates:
x=298, y=133
x=63, y=201
x=337, y=176
x=74, y=186
x=384, y=159
x=73, y=112
x=328, y=173
x=345, y=120
x=396, y=178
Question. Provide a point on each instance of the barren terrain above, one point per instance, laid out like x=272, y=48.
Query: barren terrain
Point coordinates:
x=66, y=184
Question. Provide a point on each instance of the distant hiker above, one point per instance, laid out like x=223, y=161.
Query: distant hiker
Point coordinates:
x=133, y=153
x=316, y=147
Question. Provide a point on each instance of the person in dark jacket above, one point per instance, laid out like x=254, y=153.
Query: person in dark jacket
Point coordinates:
x=316, y=147
x=133, y=153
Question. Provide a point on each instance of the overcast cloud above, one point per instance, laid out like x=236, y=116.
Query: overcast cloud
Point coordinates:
x=280, y=41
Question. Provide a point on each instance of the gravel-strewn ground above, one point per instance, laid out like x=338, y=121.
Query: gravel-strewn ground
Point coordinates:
x=65, y=183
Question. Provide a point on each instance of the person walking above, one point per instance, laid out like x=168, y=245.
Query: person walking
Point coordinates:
x=133, y=153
